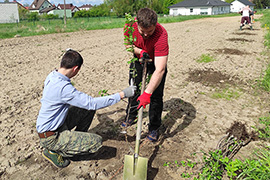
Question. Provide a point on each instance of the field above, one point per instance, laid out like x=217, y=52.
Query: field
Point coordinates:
x=202, y=99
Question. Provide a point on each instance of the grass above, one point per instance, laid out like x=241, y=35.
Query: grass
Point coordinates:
x=25, y=28
x=226, y=94
x=205, y=58
x=265, y=81
x=264, y=128
x=32, y=28
x=265, y=20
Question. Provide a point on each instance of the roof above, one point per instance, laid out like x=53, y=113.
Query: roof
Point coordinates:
x=48, y=9
x=37, y=4
x=86, y=6
x=246, y=2
x=68, y=6
x=19, y=4
x=195, y=3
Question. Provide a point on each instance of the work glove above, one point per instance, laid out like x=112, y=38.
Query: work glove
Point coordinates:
x=129, y=91
x=144, y=55
x=144, y=99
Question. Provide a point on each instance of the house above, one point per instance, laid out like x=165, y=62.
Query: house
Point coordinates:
x=196, y=7
x=61, y=13
x=22, y=10
x=20, y=6
x=9, y=12
x=68, y=6
x=39, y=6
x=85, y=7
x=48, y=9
x=237, y=5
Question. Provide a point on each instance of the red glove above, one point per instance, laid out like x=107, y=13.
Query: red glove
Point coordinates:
x=144, y=99
x=141, y=53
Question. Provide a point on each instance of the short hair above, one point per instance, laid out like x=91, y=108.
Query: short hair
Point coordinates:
x=146, y=17
x=70, y=59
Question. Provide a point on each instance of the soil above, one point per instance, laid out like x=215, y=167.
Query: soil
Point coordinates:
x=193, y=120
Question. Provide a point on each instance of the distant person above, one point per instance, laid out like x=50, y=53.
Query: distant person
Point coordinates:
x=151, y=42
x=252, y=16
x=63, y=108
x=245, y=17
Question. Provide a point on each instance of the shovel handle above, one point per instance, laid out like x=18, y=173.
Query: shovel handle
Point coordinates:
x=140, y=114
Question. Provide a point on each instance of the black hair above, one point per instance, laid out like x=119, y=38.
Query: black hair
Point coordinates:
x=146, y=17
x=70, y=59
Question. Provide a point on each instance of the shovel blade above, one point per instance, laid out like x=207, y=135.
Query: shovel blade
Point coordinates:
x=134, y=171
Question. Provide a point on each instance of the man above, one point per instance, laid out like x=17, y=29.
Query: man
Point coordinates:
x=251, y=15
x=245, y=17
x=152, y=41
x=63, y=108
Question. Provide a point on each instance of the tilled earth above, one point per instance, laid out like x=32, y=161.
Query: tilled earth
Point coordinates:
x=202, y=102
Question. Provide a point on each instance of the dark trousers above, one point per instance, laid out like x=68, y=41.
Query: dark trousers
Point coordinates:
x=156, y=103
x=79, y=118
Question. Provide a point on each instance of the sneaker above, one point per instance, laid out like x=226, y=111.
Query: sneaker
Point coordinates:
x=128, y=123
x=153, y=135
x=56, y=159
x=251, y=28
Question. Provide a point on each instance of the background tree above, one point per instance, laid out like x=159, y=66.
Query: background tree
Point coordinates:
x=157, y=5
x=229, y=1
x=23, y=13
x=95, y=11
x=261, y=4
x=166, y=4
x=33, y=16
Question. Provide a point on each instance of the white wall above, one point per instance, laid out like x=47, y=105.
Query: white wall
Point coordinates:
x=61, y=12
x=199, y=10
x=237, y=6
x=221, y=10
x=9, y=13
x=185, y=11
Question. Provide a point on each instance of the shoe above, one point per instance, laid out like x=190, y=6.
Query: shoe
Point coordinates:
x=251, y=28
x=56, y=159
x=153, y=135
x=129, y=122
x=240, y=28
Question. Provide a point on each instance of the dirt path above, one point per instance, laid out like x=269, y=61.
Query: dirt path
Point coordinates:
x=193, y=120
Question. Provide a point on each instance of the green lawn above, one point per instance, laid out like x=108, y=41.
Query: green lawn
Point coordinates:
x=32, y=28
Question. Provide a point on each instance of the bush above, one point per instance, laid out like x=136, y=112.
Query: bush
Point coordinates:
x=50, y=16
x=33, y=16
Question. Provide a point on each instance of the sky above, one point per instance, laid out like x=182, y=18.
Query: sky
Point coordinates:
x=74, y=2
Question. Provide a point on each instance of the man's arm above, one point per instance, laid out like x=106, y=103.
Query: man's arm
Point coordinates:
x=160, y=65
x=137, y=50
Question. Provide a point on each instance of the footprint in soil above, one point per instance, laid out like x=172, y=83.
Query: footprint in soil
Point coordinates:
x=177, y=109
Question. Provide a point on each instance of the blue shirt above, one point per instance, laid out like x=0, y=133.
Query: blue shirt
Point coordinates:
x=58, y=95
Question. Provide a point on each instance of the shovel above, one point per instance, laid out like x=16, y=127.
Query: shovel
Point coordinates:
x=135, y=167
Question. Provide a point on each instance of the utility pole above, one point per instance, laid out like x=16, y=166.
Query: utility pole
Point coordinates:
x=65, y=17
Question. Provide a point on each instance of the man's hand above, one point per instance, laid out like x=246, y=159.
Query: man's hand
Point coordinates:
x=129, y=91
x=144, y=99
x=144, y=55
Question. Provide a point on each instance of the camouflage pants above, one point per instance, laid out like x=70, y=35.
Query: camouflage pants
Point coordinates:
x=78, y=142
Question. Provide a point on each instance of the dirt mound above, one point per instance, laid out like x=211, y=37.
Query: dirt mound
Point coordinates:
x=212, y=78
x=239, y=39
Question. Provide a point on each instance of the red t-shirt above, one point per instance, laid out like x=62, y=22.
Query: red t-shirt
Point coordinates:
x=156, y=44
